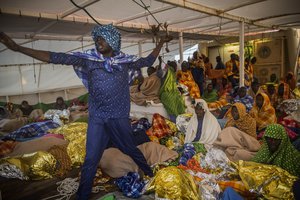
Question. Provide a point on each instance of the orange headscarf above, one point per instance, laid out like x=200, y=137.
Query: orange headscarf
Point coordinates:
x=264, y=115
x=245, y=122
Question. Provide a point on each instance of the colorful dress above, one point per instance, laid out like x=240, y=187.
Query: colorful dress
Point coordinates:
x=186, y=78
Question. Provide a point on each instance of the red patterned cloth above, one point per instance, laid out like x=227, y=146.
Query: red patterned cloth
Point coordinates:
x=159, y=127
x=7, y=147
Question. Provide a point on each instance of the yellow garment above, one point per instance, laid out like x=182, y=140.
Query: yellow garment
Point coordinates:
x=38, y=165
x=229, y=67
x=197, y=64
x=264, y=116
x=75, y=133
x=245, y=123
x=186, y=78
x=296, y=92
x=269, y=180
x=249, y=73
x=174, y=183
x=218, y=104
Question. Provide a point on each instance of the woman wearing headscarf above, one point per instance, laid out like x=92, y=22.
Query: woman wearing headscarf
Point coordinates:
x=263, y=112
x=203, y=126
x=238, y=139
x=185, y=77
x=241, y=120
x=291, y=80
x=278, y=150
x=283, y=93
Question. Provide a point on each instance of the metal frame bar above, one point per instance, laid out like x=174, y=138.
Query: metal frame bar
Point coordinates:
x=211, y=11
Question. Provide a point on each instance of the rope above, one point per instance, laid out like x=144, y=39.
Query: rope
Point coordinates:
x=67, y=188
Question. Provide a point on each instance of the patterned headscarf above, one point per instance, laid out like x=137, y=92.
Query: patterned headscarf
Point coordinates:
x=245, y=122
x=110, y=34
x=265, y=115
x=286, y=156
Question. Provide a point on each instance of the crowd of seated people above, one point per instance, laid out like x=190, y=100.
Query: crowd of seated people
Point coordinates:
x=245, y=114
x=13, y=116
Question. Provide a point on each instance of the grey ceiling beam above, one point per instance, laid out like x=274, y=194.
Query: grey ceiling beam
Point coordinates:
x=276, y=16
x=212, y=11
x=247, y=3
x=144, y=14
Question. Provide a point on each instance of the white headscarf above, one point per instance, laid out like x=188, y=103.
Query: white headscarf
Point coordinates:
x=210, y=126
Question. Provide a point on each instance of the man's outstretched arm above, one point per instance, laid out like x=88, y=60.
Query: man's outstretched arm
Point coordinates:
x=37, y=54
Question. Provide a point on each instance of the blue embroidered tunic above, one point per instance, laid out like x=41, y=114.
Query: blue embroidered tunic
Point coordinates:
x=108, y=90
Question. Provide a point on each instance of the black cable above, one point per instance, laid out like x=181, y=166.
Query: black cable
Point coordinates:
x=122, y=29
x=149, y=12
x=82, y=8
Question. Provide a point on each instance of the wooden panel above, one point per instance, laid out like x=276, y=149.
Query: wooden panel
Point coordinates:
x=263, y=72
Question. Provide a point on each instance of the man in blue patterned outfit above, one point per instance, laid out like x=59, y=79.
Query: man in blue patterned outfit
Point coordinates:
x=104, y=72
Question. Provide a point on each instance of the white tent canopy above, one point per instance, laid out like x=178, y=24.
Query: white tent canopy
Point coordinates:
x=58, y=25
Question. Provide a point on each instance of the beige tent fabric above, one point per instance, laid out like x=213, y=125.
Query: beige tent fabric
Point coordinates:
x=149, y=91
x=236, y=144
x=117, y=164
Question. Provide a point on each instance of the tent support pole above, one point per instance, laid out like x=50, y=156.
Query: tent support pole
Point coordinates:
x=181, y=47
x=21, y=81
x=140, y=49
x=242, y=59
x=66, y=95
x=39, y=96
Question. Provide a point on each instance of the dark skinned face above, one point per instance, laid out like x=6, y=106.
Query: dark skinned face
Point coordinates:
x=242, y=92
x=103, y=47
x=209, y=88
x=195, y=55
x=235, y=113
x=199, y=111
x=281, y=90
x=255, y=87
x=150, y=70
x=259, y=101
x=273, y=78
x=273, y=144
x=271, y=89
x=184, y=66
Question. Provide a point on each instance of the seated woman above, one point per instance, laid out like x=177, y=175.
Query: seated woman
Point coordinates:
x=238, y=139
x=241, y=120
x=278, y=150
x=283, y=93
x=210, y=94
x=263, y=112
x=26, y=108
x=168, y=93
x=60, y=104
x=244, y=98
x=148, y=90
x=203, y=126
x=185, y=77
